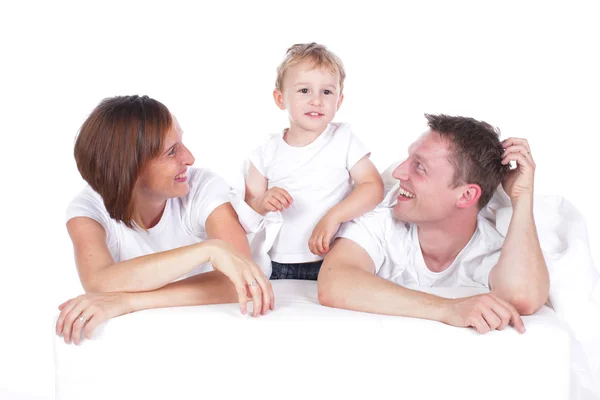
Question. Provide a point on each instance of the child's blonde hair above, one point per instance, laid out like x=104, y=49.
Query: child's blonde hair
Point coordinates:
x=317, y=54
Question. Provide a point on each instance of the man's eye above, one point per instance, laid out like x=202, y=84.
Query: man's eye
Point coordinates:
x=420, y=166
x=304, y=91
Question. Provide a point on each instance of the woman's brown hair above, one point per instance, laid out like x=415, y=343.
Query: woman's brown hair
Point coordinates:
x=114, y=144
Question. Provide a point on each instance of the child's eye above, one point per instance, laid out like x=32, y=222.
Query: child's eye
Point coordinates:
x=304, y=91
x=327, y=91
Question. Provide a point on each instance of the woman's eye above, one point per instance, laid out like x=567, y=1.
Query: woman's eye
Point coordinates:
x=172, y=151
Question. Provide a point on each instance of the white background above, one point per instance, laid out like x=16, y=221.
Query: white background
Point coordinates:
x=530, y=68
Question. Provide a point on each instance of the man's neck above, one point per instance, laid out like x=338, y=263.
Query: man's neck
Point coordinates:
x=442, y=242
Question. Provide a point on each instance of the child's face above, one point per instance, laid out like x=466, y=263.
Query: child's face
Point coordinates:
x=311, y=96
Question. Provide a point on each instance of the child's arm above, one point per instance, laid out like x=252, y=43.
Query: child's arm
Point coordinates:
x=259, y=198
x=367, y=193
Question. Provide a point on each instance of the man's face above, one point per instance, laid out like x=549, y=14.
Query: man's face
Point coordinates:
x=426, y=194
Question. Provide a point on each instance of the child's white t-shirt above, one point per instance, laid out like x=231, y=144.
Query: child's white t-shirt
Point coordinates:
x=317, y=176
x=182, y=223
x=394, y=247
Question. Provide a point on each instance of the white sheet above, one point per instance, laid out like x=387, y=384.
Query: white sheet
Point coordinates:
x=303, y=350
x=574, y=278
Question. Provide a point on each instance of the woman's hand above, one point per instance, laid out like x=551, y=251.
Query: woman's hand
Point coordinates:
x=88, y=311
x=248, y=278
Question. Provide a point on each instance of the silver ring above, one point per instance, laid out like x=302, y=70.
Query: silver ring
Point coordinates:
x=82, y=319
x=253, y=283
x=526, y=154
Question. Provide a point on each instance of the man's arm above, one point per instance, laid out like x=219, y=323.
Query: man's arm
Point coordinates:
x=347, y=281
x=521, y=276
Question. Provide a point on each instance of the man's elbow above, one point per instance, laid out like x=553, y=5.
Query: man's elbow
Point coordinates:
x=527, y=301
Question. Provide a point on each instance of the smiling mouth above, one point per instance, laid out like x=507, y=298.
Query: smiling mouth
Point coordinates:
x=406, y=194
x=314, y=114
x=181, y=176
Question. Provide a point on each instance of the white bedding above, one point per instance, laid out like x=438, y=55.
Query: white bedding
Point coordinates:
x=303, y=350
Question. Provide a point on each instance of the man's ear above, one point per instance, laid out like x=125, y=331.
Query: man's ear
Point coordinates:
x=278, y=97
x=469, y=196
x=339, y=104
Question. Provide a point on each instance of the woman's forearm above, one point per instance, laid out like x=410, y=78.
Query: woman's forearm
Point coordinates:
x=151, y=271
x=206, y=288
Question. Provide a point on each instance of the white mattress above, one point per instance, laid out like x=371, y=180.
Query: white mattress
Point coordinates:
x=303, y=350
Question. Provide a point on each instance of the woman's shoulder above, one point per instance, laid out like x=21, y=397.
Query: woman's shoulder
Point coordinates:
x=87, y=203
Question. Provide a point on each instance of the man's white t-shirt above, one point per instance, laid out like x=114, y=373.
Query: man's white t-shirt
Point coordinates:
x=317, y=176
x=394, y=247
x=182, y=223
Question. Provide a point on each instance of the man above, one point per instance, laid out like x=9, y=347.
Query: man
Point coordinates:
x=434, y=236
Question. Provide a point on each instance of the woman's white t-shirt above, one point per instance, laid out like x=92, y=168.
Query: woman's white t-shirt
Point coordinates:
x=182, y=223
x=317, y=176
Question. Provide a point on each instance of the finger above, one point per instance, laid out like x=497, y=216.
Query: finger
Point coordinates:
x=275, y=203
x=282, y=199
x=479, y=324
x=326, y=243
x=519, y=158
x=515, y=317
x=286, y=195
x=266, y=289
x=256, y=293
x=66, y=309
x=91, y=325
x=490, y=317
x=312, y=245
x=78, y=325
x=70, y=320
x=240, y=288
x=503, y=313
x=516, y=141
x=516, y=149
x=319, y=244
x=63, y=305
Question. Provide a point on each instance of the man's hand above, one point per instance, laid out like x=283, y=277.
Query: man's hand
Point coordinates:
x=322, y=235
x=484, y=312
x=518, y=182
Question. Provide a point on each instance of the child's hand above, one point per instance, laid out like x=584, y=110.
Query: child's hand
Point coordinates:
x=274, y=199
x=320, y=240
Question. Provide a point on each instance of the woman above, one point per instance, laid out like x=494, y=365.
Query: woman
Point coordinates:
x=146, y=219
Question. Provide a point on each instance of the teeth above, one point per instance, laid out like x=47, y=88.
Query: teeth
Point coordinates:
x=406, y=194
x=180, y=176
x=314, y=114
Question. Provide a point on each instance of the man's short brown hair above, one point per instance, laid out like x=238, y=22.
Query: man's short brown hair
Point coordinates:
x=476, y=152
x=114, y=144
x=318, y=54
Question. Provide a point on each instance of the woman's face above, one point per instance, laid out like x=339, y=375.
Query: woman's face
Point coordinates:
x=165, y=176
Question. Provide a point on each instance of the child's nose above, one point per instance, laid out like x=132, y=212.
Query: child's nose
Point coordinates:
x=316, y=100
